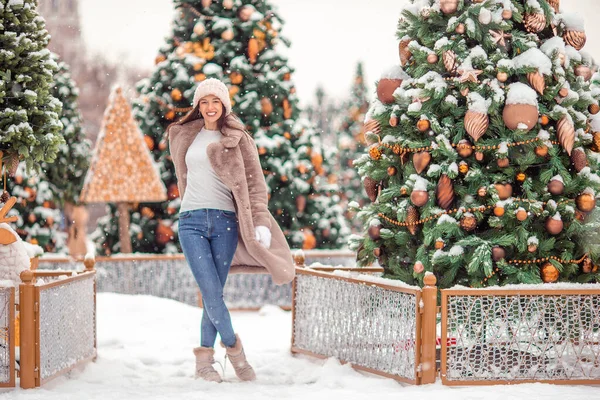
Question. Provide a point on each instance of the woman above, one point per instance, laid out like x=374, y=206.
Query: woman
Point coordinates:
x=224, y=217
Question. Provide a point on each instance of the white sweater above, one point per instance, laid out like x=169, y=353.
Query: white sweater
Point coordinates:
x=204, y=188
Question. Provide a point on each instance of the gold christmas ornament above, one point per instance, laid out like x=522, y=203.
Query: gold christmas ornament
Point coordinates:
x=464, y=148
x=544, y=120
x=149, y=142
x=418, y=268
x=534, y=22
x=448, y=6
x=521, y=215
x=476, y=124
x=554, y=226
x=503, y=162
x=460, y=28
x=419, y=197
x=287, y=109
x=479, y=156
x=507, y=14
x=575, y=38
x=585, y=202
x=421, y=161
x=412, y=217
x=266, y=106
x=578, y=159
x=549, y=273
x=541, y=151
x=449, y=59
x=392, y=171
x=536, y=80
x=482, y=191
x=584, y=71
x=423, y=125
x=159, y=58
x=445, y=192
x=515, y=114
x=468, y=222
x=463, y=168
x=439, y=244
x=520, y=177
x=566, y=134
x=498, y=211
x=502, y=76
x=556, y=187
x=176, y=94
x=371, y=187
x=432, y=58
x=504, y=190
x=170, y=115
x=386, y=88
x=498, y=253
x=404, y=52
x=375, y=153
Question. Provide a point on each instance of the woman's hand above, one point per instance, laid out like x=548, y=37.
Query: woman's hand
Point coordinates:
x=263, y=236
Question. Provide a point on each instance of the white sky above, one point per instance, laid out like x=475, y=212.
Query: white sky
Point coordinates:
x=328, y=36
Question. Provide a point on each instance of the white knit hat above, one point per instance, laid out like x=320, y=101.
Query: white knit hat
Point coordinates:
x=215, y=87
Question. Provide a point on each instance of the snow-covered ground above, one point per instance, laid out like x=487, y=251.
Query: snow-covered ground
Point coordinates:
x=145, y=352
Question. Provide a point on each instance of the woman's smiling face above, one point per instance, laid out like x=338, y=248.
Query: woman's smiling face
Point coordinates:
x=211, y=109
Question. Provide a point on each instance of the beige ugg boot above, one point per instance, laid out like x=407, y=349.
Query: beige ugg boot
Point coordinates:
x=236, y=355
x=205, y=358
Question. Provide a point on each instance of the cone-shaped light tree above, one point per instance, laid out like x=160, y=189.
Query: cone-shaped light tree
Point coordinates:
x=233, y=40
x=122, y=171
x=491, y=125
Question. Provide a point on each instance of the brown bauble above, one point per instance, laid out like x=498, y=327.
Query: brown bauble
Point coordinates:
x=393, y=120
x=521, y=215
x=498, y=211
x=549, y=273
x=498, y=253
x=532, y=248
x=464, y=148
x=386, y=88
x=578, y=159
x=176, y=94
x=448, y=6
x=515, y=114
x=554, y=226
x=576, y=39
x=504, y=190
x=585, y=202
x=432, y=58
x=419, y=197
x=375, y=232
x=266, y=106
x=479, y=156
x=556, y=187
x=377, y=252
x=502, y=76
x=392, y=171
x=563, y=92
x=468, y=222
x=460, y=28
x=423, y=125
x=418, y=267
x=173, y=191
x=507, y=14
x=445, y=192
x=503, y=162
x=164, y=234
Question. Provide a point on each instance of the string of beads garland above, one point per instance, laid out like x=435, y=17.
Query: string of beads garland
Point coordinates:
x=455, y=210
x=536, y=261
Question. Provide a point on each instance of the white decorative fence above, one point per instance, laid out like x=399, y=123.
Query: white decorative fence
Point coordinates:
x=373, y=325
x=7, y=338
x=58, y=323
x=169, y=276
x=492, y=336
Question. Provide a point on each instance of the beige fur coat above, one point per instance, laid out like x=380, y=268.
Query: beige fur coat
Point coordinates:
x=235, y=160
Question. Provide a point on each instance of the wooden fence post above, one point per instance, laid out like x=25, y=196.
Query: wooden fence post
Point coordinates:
x=428, y=333
x=27, y=308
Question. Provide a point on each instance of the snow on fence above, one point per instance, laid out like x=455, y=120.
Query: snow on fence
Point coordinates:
x=7, y=337
x=169, y=276
x=499, y=336
x=372, y=323
x=58, y=323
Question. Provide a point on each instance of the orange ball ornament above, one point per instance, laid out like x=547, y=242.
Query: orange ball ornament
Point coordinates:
x=549, y=273
x=423, y=125
x=521, y=215
x=585, y=202
x=498, y=211
x=176, y=94
x=149, y=142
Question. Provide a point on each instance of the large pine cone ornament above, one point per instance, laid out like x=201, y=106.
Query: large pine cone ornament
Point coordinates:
x=445, y=192
x=371, y=187
x=534, y=22
x=412, y=217
x=566, y=134
x=536, y=80
x=576, y=39
x=579, y=159
x=476, y=124
x=449, y=58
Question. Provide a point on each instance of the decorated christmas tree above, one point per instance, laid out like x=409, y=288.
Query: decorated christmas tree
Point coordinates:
x=122, y=171
x=233, y=41
x=42, y=196
x=484, y=167
x=351, y=145
x=30, y=126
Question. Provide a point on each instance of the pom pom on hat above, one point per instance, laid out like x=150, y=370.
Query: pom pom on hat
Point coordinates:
x=215, y=87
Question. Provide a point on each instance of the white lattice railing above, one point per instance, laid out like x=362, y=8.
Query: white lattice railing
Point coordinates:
x=7, y=340
x=371, y=324
x=58, y=323
x=169, y=276
x=506, y=336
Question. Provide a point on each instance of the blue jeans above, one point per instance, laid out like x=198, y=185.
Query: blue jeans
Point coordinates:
x=209, y=238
